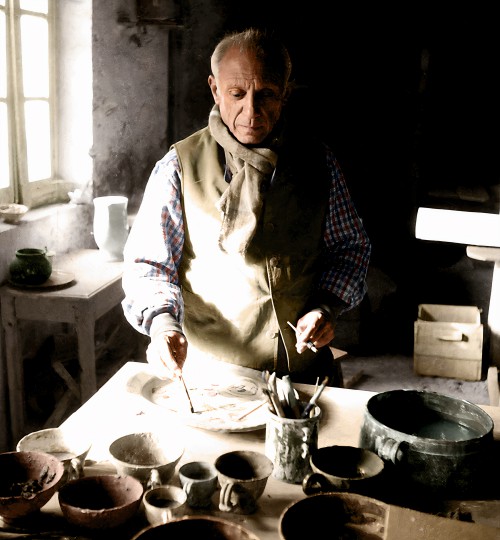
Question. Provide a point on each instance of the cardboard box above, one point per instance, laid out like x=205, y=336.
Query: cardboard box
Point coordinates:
x=448, y=342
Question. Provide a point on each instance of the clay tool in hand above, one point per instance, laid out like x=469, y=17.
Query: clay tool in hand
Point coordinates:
x=309, y=344
x=187, y=393
x=312, y=401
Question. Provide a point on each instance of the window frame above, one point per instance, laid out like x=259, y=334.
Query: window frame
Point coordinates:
x=47, y=190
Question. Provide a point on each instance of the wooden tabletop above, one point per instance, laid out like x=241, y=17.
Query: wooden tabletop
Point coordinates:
x=115, y=410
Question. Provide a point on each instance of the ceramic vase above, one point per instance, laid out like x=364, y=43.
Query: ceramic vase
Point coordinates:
x=111, y=226
x=30, y=267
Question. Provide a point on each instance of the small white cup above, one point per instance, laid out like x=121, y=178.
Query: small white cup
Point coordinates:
x=164, y=503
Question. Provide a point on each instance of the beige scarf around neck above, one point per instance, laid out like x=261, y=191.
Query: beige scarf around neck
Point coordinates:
x=241, y=203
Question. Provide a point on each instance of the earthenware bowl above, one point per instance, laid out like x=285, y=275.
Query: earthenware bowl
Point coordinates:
x=100, y=502
x=70, y=447
x=27, y=482
x=12, y=213
x=150, y=457
x=343, y=515
x=208, y=527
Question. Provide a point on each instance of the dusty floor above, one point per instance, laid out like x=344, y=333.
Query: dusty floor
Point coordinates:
x=392, y=372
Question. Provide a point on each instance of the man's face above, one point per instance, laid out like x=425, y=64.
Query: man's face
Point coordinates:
x=250, y=102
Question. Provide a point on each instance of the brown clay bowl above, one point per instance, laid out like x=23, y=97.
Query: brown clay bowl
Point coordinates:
x=197, y=527
x=100, y=502
x=27, y=482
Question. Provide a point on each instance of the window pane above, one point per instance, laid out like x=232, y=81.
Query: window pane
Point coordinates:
x=35, y=56
x=4, y=148
x=3, y=57
x=40, y=6
x=38, y=140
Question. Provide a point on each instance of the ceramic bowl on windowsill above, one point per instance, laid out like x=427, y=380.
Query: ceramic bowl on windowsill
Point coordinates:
x=12, y=213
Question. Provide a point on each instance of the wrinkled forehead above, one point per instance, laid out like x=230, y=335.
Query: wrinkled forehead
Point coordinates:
x=248, y=66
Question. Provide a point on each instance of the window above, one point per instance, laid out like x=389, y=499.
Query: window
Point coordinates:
x=27, y=102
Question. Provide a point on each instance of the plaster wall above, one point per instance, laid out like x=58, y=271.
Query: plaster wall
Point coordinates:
x=130, y=98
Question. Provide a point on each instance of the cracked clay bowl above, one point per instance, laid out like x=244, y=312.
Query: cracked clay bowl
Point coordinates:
x=100, y=502
x=27, y=482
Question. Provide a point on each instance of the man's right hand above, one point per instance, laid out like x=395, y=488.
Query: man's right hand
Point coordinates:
x=167, y=353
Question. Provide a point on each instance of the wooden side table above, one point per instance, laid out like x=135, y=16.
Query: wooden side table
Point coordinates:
x=96, y=289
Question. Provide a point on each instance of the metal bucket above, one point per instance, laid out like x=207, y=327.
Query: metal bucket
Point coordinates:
x=435, y=442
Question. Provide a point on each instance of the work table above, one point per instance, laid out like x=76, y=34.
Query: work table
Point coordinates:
x=114, y=410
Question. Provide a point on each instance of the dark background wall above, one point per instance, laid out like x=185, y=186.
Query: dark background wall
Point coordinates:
x=408, y=100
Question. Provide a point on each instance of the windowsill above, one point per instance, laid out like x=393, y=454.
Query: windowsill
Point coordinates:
x=37, y=214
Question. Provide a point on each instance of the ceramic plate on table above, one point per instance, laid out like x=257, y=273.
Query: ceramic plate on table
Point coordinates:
x=220, y=404
x=57, y=279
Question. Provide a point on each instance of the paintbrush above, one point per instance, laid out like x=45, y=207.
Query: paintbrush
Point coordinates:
x=270, y=403
x=187, y=393
x=253, y=409
x=309, y=344
x=312, y=401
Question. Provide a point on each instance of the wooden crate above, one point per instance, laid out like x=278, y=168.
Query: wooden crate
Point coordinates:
x=448, y=342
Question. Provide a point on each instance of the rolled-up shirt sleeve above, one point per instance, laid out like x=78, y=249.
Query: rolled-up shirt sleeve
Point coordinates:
x=153, y=253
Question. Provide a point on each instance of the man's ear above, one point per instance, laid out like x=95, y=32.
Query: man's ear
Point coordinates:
x=213, y=87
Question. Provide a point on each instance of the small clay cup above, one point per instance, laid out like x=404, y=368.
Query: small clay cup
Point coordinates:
x=199, y=481
x=243, y=476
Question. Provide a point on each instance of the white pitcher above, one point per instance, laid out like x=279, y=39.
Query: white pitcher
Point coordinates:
x=111, y=226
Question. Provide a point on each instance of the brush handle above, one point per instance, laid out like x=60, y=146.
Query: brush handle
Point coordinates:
x=187, y=393
x=312, y=401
